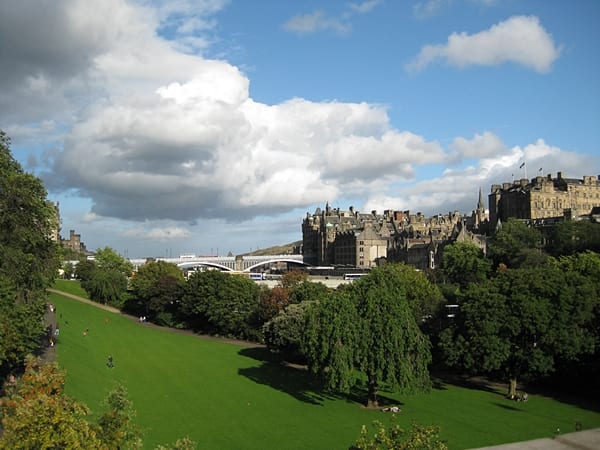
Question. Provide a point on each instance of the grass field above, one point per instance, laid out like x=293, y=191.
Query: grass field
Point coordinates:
x=227, y=396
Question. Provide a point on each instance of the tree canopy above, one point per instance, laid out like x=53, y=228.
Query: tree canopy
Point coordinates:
x=518, y=323
x=28, y=258
x=517, y=245
x=465, y=263
x=369, y=329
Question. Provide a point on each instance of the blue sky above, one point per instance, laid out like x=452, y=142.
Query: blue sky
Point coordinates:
x=214, y=126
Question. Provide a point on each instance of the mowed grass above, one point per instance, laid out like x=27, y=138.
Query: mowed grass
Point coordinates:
x=226, y=396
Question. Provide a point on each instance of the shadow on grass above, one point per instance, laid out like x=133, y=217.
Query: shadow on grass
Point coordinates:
x=296, y=381
x=509, y=407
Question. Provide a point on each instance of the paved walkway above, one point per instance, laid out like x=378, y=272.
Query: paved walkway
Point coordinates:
x=579, y=440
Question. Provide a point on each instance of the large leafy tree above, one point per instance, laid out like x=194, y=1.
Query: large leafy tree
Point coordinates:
x=106, y=280
x=465, y=263
x=21, y=327
x=106, y=286
x=369, y=329
x=571, y=237
x=516, y=244
x=222, y=303
x=155, y=290
x=36, y=413
x=284, y=333
x=108, y=259
x=28, y=258
x=517, y=324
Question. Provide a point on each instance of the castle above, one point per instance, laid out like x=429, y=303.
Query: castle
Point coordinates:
x=544, y=199
x=74, y=242
x=332, y=237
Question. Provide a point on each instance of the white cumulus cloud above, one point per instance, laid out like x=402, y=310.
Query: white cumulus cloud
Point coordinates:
x=519, y=39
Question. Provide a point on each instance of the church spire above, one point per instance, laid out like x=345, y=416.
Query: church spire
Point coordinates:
x=480, y=206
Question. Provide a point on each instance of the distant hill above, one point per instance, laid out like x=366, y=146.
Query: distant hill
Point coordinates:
x=286, y=249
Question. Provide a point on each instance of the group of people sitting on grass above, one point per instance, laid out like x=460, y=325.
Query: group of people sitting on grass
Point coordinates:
x=519, y=397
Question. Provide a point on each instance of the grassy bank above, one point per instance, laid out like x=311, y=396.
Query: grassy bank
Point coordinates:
x=226, y=396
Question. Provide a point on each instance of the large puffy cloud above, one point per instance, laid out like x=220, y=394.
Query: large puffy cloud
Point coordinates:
x=205, y=149
x=519, y=39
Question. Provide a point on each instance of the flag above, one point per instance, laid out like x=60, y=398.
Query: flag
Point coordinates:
x=521, y=166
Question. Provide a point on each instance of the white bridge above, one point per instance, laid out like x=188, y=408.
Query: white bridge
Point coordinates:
x=228, y=263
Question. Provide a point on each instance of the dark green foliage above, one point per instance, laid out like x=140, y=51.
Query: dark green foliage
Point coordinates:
x=84, y=269
x=105, y=278
x=21, y=327
x=331, y=342
x=517, y=245
x=285, y=332
x=221, y=303
x=571, y=237
x=28, y=258
x=155, y=292
x=106, y=286
x=517, y=324
x=465, y=263
x=307, y=291
x=108, y=259
x=370, y=329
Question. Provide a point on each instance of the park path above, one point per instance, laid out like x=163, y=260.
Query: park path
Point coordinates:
x=238, y=342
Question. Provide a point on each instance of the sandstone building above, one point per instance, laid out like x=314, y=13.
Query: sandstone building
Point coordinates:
x=544, y=198
x=333, y=237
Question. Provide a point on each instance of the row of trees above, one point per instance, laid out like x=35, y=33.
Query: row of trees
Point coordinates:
x=522, y=313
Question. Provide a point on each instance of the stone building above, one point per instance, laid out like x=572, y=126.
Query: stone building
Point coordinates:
x=544, y=198
x=74, y=243
x=332, y=237
x=336, y=237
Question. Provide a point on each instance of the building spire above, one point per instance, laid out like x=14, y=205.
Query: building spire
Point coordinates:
x=480, y=205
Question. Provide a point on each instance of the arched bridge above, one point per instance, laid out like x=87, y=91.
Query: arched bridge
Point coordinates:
x=242, y=263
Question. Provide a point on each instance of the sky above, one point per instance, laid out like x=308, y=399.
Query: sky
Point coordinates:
x=215, y=126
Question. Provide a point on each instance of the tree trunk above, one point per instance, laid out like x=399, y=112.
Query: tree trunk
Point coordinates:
x=372, y=401
x=512, y=388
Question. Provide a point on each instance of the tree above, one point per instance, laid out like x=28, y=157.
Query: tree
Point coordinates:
x=68, y=270
x=29, y=259
x=394, y=437
x=21, y=327
x=284, y=333
x=570, y=237
x=28, y=256
x=84, y=269
x=272, y=301
x=106, y=280
x=517, y=245
x=37, y=414
x=292, y=278
x=108, y=259
x=155, y=292
x=369, y=328
x=517, y=324
x=106, y=286
x=115, y=427
x=465, y=263
x=307, y=291
x=221, y=303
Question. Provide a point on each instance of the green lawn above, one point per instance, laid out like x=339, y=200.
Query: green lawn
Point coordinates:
x=226, y=396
